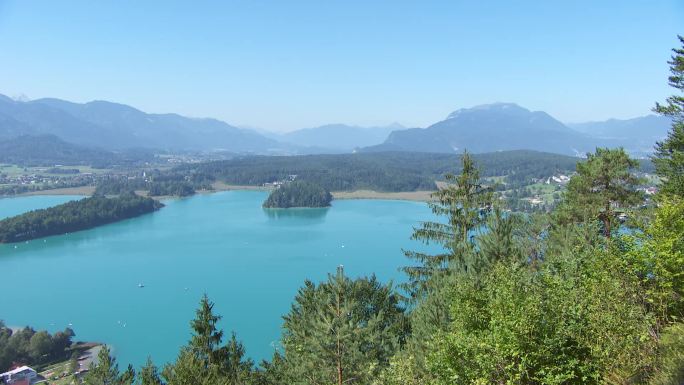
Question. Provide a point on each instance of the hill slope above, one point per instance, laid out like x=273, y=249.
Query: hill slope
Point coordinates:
x=637, y=135
x=49, y=150
x=340, y=136
x=116, y=126
x=487, y=128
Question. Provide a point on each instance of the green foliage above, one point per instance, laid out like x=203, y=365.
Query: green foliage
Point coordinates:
x=386, y=171
x=341, y=331
x=657, y=257
x=669, y=155
x=74, y=216
x=26, y=346
x=670, y=364
x=157, y=183
x=298, y=194
x=149, y=374
x=464, y=205
x=106, y=372
x=603, y=187
x=577, y=321
x=206, y=339
x=204, y=360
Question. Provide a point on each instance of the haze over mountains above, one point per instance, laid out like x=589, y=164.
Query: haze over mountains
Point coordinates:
x=340, y=136
x=118, y=126
x=486, y=128
x=507, y=126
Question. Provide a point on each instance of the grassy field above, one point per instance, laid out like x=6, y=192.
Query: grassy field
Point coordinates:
x=14, y=170
x=55, y=371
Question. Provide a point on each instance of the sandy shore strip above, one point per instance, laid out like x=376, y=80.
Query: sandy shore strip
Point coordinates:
x=220, y=186
x=418, y=196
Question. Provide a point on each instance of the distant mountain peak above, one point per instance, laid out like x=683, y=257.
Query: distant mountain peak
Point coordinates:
x=492, y=107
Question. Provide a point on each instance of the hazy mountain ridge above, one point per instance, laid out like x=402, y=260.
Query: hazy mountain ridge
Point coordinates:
x=340, y=136
x=507, y=126
x=117, y=126
x=485, y=128
x=637, y=135
x=49, y=150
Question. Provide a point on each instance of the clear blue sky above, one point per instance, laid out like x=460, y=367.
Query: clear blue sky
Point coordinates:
x=282, y=65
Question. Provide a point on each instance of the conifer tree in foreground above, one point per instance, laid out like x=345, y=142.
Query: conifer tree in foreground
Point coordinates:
x=204, y=360
x=106, y=372
x=669, y=154
x=341, y=331
x=464, y=204
x=149, y=374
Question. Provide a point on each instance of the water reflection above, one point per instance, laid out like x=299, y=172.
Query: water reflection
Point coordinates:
x=309, y=215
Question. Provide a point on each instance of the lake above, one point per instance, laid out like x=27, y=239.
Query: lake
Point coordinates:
x=250, y=262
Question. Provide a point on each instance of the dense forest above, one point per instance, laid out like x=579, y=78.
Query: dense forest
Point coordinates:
x=156, y=183
x=298, y=194
x=29, y=346
x=74, y=216
x=386, y=172
x=575, y=296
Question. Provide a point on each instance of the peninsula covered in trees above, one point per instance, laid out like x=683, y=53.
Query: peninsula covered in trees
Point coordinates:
x=298, y=194
x=75, y=216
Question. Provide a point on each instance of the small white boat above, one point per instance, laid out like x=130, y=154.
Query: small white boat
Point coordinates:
x=140, y=285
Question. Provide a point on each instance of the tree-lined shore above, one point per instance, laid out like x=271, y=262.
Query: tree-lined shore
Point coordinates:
x=74, y=216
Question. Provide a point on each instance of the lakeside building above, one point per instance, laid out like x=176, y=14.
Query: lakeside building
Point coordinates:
x=20, y=376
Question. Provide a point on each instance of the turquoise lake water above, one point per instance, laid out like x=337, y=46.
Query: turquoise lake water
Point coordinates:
x=250, y=262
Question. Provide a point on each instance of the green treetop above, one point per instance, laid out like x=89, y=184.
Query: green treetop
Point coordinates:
x=464, y=204
x=604, y=186
x=106, y=372
x=342, y=331
x=669, y=155
x=206, y=338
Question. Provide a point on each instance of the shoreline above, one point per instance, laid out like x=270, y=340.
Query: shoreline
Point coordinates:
x=415, y=196
x=82, y=190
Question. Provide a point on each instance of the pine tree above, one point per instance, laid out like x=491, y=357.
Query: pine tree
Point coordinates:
x=341, y=331
x=500, y=241
x=106, y=372
x=464, y=203
x=204, y=360
x=149, y=374
x=604, y=185
x=206, y=339
x=236, y=369
x=669, y=155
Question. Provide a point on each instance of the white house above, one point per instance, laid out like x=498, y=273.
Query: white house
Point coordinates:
x=22, y=374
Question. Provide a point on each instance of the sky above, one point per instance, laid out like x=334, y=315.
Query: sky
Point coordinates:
x=283, y=65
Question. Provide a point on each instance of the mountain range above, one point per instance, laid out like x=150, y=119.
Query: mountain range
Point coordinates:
x=486, y=128
x=340, y=136
x=118, y=126
x=507, y=126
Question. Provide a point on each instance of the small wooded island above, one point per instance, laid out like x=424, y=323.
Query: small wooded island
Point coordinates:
x=75, y=216
x=298, y=194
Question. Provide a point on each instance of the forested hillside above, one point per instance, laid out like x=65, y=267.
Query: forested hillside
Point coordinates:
x=74, y=216
x=387, y=172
